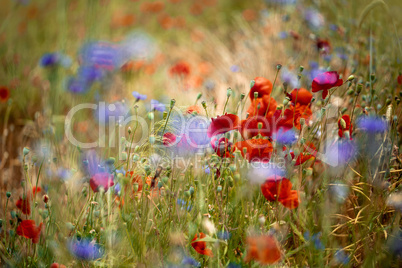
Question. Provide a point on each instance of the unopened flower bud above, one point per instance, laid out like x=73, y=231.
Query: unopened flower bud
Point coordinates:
x=255, y=94
x=301, y=68
x=229, y=92
x=359, y=88
x=242, y=96
x=204, y=104
x=151, y=116
x=278, y=66
x=199, y=96
x=259, y=125
x=351, y=78
x=219, y=189
x=172, y=103
x=25, y=151
x=164, y=115
x=8, y=194
x=45, y=198
x=302, y=121
x=129, y=130
x=343, y=123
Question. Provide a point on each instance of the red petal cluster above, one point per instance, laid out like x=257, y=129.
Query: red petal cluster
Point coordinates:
x=280, y=189
x=263, y=249
x=28, y=229
x=201, y=246
x=104, y=180
x=325, y=81
x=223, y=124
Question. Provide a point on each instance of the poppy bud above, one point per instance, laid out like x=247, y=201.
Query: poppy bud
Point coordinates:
x=165, y=180
x=231, y=182
x=45, y=198
x=123, y=156
x=151, y=116
x=8, y=194
x=342, y=123
x=255, y=94
x=285, y=101
x=350, y=92
x=172, y=103
x=302, y=121
x=219, y=189
x=258, y=106
x=278, y=66
x=164, y=115
x=259, y=125
x=242, y=96
x=351, y=78
x=25, y=151
x=136, y=149
x=252, y=83
x=346, y=134
x=301, y=68
x=388, y=102
x=372, y=77
x=237, y=176
x=244, y=150
x=160, y=185
x=359, y=88
x=229, y=92
x=199, y=96
x=344, y=109
x=191, y=190
x=204, y=104
x=187, y=194
x=135, y=187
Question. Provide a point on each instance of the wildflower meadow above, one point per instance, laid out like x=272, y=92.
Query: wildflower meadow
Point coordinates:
x=200, y=133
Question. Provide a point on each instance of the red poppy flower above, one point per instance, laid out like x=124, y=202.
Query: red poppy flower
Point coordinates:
x=323, y=46
x=181, y=68
x=265, y=106
x=28, y=229
x=201, y=246
x=104, y=180
x=262, y=85
x=194, y=108
x=257, y=149
x=36, y=190
x=4, y=94
x=263, y=249
x=347, y=127
x=399, y=79
x=326, y=81
x=275, y=189
x=223, y=124
x=249, y=127
x=301, y=96
x=153, y=7
x=222, y=147
x=24, y=205
x=309, y=152
x=291, y=117
x=56, y=265
x=168, y=139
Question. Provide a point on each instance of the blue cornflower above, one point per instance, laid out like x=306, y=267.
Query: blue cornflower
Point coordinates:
x=341, y=257
x=315, y=238
x=84, y=249
x=156, y=105
x=314, y=19
x=224, y=235
x=285, y=137
x=139, y=96
x=340, y=152
x=372, y=124
x=190, y=261
x=283, y=35
x=207, y=170
x=102, y=55
x=82, y=82
x=290, y=78
x=53, y=59
x=182, y=203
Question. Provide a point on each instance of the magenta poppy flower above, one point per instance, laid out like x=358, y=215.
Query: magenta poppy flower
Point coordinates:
x=326, y=81
x=104, y=180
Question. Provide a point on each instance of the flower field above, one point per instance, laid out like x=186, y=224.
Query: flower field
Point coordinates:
x=213, y=133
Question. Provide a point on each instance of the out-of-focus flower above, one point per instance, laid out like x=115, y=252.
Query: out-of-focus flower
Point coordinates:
x=56, y=265
x=371, y=124
x=315, y=239
x=28, y=229
x=223, y=124
x=340, y=152
x=4, y=93
x=256, y=150
x=181, y=69
x=263, y=249
x=152, y=7
x=139, y=96
x=117, y=110
x=259, y=174
x=101, y=55
x=82, y=82
x=224, y=235
x=314, y=19
x=104, y=180
x=394, y=244
x=323, y=46
x=24, y=205
x=85, y=249
x=184, y=205
x=169, y=139
x=209, y=226
x=344, y=124
x=289, y=78
x=138, y=46
x=399, y=79
x=194, y=109
x=201, y=246
x=156, y=105
x=54, y=59
x=283, y=35
x=279, y=189
x=235, y=68
x=262, y=107
x=190, y=261
x=341, y=257
x=325, y=81
x=222, y=147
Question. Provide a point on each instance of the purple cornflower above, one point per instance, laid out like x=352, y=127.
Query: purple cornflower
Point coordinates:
x=190, y=261
x=315, y=238
x=82, y=82
x=283, y=35
x=156, y=105
x=372, y=124
x=314, y=19
x=139, y=96
x=85, y=249
x=224, y=235
x=53, y=59
x=340, y=152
